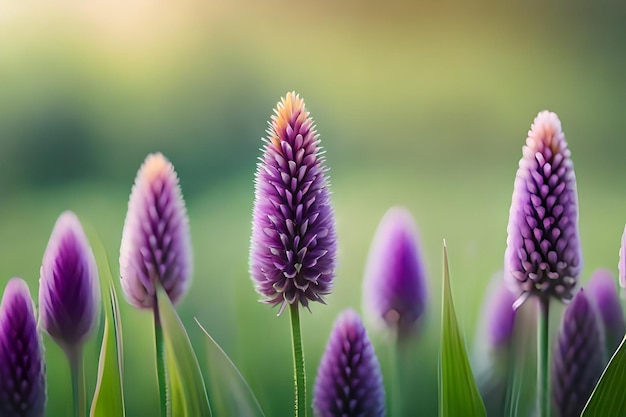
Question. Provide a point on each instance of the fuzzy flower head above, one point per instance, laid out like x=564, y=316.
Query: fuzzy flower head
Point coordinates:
x=394, y=287
x=621, y=266
x=543, y=255
x=22, y=370
x=578, y=357
x=293, y=245
x=156, y=242
x=498, y=313
x=602, y=291
x=69, y=290
x=349, y=381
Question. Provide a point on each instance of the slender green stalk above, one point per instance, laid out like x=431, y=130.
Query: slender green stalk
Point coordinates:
x=299, y=375
x=399, y=364
x=160, y=359
x=543, y=387
x=78, y=381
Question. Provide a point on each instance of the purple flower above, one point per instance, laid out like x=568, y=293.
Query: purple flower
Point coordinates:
x=22, y=370
x=602, y=290
x=156, y=242
x=621, y=266
x=499, y=314
x=578, y=357
x=293, y=245
x=69, y=290
x=349, y=381
x=394, y=287
x=543, y=253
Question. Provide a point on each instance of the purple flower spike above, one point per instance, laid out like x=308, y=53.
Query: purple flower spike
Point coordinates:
x=156, y=242
x=499, y=313
x=621, y=266
x=543, y=253
x=578, y=357
x=394, y=287
x=603, y=292
x=22, y=370
x=293, y=245
x=349, y=381
x=69, y=290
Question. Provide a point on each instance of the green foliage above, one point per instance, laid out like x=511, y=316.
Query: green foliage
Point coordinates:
x=230, y=393
x=108, y=398
x=608, y=397
x=458, y=394
x=187, y=389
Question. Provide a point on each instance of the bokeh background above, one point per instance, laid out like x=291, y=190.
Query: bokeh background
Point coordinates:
x=425, y=104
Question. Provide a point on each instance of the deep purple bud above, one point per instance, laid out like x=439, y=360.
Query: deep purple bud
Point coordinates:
x=621, y=265
x=498, y=312
x=349, y=382
x=156, y=242
x=602, y=291
x=69, y=290
x=543, y=253
x=394, y=287
x=578, y=357
x=22, y=370
x=293, y=245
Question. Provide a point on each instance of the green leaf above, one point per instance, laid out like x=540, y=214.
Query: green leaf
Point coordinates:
x=608, y=397
x=230, y=393
x=458, y=394
x=188, y=392
x=108, y=398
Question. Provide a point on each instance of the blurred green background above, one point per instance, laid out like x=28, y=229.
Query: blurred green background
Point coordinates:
x=423, y=104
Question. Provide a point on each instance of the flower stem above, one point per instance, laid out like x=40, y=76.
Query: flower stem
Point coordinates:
x=543, y=388
x=160, y=359
x=298, y=362
x=78, y=381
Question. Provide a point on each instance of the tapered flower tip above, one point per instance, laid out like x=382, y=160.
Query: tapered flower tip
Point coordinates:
x=621, y=266
x=602, y=290
x=498, y=312
x=293, y=245
x=543, y=254
x=156, y=241
x=578, y=357
x=22, y=371
x=349, y=382
x=394, y=286
x=69, y=290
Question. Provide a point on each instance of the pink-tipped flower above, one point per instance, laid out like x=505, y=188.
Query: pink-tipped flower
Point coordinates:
x=349, y=382
x=394, y=287
x=543, y=254
x=578, y=357
x=602, y=290
x=293, y=245
x=22, y=370
x=69, y=290
x=156, y=242
x=621, y=266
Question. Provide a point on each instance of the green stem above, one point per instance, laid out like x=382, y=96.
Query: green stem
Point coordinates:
x=543, y=388
x=399, y=354
x=78, y=381
x=160, y=359
x=298, y=362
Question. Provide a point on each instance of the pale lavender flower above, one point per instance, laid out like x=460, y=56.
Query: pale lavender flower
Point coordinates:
x=394, y=288
x=156, y=241
x=543, y=254
x=602, y=290
x=578, y=357
x=293, y=244
x=349, y=382
x=69, y=290
x=499, y=313
x=621, y=266
x=22, y=369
